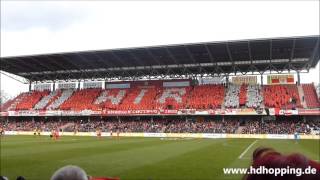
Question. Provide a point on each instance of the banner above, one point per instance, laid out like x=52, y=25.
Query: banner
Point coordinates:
x=280, y=79
x=130, y=112
x=212, y=80
x=87, y=85
x=176, y=84
x=156, y=112
x=213, y=136
x=42, y=87
x=118, y=86
x=244, y=80
x=309, y=112
x=67, y=86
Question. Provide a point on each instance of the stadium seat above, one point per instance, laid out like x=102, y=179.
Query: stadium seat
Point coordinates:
x=81, y=100
x=139, y=99
x=281, y=96
x=45, y=100
x=243, y=95
x=254, y=97
x=172, y=98
x=206, y=97
x=232, y=96
x=29, y=101
x=110, y=99
x=11, y=104
x=64, y=95
x=310, y=96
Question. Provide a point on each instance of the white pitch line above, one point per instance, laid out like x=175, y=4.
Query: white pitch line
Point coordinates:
x=246, y=150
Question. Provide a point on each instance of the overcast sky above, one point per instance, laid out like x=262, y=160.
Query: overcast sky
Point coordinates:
x=45, y=27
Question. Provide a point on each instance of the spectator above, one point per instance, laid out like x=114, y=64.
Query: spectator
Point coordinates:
x=75, y=173
x=269, y=158
x=70, y=173
x=167, y=126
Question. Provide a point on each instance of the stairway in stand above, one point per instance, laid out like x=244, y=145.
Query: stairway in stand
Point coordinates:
x=301, y=94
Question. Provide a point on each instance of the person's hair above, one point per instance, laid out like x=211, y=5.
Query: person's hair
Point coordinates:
x=269, y=158
x=20, y=178
x=70, y=173
x=3, y=178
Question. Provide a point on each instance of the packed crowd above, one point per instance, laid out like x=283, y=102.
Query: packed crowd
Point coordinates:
x=30, y=125
x=279, y=127
x=160, y=126
x=167, y=126
x=157, y=97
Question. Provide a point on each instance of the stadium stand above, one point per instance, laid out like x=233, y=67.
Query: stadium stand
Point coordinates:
x=140, y=99
x=110, y=99
x=232, y=96
x=243, y=95
x=310, y=96
x=45, y=100
x=192, y=97
x=172, y=98
x=281, y=96
x=81, y=100
x=65, y=94
x=54, y=98
x=254, y=98
x=206, y=96
x=126, y=91
x=172, y=125
x=30, y=100
x=11, y=104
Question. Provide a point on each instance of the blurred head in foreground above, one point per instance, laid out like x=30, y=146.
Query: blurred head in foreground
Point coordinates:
x=70, y=173
x=75, y=173
x=269, y=158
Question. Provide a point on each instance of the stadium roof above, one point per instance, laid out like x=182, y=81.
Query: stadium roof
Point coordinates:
x=206, y=58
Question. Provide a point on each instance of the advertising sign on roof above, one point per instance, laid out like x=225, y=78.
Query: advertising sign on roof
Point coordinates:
x=280, y=79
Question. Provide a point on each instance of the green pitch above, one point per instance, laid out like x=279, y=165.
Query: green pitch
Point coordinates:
x=37, y=158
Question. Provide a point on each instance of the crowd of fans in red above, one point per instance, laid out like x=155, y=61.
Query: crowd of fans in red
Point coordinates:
x=30, y=100
x=167, y=126
x=280, y=96
x=156, y=97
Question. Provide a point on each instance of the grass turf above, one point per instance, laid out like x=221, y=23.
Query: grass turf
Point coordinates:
x=137, y=158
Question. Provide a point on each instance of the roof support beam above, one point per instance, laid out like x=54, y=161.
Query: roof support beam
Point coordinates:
x=75, y=65
x=54, y=62
x=84, y=60
x=292, y=50
x=270, y=53
x=39, y=62
x=211, y=58
x=292, y=54
x=135, y=58
x=230, y=58
x=70, y=62
x=152, y=56
x=312, y=57
x=118, y=58
x=99, y=58
x=315, y=52
x=15, y=65
x=190, y=54
x=252, y=67
x=171, y=55
x=24, y=80
x=28, y=65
